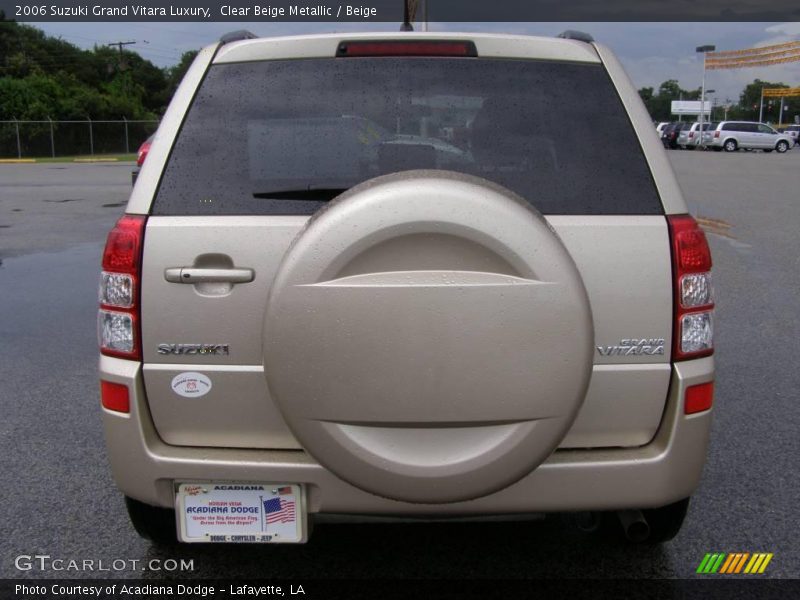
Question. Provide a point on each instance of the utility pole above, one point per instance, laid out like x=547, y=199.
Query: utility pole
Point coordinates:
x=704, y=49
x=120, y=45
x=19, y=146
x=409, y=8
x=125, y=80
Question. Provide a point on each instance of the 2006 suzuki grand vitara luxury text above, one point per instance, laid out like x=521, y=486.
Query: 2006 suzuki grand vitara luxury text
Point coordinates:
x=375, y=275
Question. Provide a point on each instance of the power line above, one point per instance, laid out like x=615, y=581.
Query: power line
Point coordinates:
x=163, y=53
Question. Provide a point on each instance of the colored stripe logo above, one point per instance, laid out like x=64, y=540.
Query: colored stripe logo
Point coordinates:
x=734, y=563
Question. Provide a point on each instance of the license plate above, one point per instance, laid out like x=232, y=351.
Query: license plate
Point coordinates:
x=240, y=512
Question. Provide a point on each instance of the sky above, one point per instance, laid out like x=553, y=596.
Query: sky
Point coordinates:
x=650, y=52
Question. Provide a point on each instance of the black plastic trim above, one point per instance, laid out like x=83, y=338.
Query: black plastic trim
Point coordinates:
x=235, y=36
x=572, y=34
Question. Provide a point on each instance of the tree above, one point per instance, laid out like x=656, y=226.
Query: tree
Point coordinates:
x=670, y=89
x=175, y=74
x=43, y=78
x=660, y=105
x=101, y=83
x=750, y=103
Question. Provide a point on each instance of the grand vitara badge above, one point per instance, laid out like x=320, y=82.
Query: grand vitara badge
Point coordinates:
x=188, y=349
x=634, y=347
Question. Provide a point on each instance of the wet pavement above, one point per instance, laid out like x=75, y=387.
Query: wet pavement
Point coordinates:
x=60, y=499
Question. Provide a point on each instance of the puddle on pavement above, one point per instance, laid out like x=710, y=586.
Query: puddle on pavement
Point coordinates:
x=65, y=261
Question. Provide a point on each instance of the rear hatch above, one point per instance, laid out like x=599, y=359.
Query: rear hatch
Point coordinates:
x=267, y=144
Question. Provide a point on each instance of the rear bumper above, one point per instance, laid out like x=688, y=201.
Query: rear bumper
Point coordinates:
x=663, y=471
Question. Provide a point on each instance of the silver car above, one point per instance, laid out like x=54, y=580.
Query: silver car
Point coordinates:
x=793, y=131
x=368, y=274
x=734, y=135
x=690, y=138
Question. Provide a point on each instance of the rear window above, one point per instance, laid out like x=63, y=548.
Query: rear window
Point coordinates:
x=284, y=137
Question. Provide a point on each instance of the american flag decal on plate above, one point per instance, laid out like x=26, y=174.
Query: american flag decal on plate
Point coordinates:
x=279, y=510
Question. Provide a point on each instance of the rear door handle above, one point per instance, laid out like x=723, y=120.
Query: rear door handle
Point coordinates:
x=204, y=275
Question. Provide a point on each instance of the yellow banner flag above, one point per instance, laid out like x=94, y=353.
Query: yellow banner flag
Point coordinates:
x=753, y=51
x=781, y=92
x=743, y=64
x=754, y=57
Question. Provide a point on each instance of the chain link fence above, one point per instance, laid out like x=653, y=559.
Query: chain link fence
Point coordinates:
x=40, y=139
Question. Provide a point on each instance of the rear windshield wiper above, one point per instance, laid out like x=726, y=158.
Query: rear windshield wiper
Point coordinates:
x=307, y=195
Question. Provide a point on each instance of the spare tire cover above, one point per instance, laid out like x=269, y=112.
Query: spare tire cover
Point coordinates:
x=428, y=337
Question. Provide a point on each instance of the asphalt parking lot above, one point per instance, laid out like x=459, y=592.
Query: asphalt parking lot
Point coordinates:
x=60, y=499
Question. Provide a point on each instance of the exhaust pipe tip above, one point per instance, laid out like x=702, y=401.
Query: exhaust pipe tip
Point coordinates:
x=587, y=522
x=634, y=525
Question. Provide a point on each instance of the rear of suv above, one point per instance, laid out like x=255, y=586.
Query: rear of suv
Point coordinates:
x=671, y=133
x=793, y=131
x=690, y=138
x=733, y=135
x=369, y=274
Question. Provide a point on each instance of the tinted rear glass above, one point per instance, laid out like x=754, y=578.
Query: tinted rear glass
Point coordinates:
x=745, y=127
x=280, y=137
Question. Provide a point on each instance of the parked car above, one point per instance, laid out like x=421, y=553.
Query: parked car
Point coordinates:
x=689, y=138
x=140, y=156
x=660, y=128
x=734, y=135
x=317, y=303
x=670, y=133
x=793, y=131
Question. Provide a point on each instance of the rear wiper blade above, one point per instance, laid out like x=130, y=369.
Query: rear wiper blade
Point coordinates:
x=308, y=195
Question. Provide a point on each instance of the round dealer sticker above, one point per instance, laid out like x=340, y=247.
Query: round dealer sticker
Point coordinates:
x=191, y=385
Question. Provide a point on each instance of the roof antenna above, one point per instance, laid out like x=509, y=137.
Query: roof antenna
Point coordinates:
x=407, y=26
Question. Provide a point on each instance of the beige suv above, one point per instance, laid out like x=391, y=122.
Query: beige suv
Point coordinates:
x=370, y=274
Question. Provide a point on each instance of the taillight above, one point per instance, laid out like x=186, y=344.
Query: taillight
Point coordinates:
x=693, y=334
x=691, y=134
x=407, y=48
x=716, y=134
x=143, y=150
x=118, y=330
